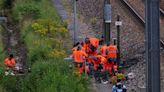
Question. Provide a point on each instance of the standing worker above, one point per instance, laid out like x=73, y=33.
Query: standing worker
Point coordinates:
x=103, y=50
x=112, y=53
x=94, y=42
x=92, y=45
x=78, y=57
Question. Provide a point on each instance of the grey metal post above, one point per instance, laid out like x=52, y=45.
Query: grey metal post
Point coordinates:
x=148, y=47
x=107, y=20
x=105, y=32
x=75, y=24
x=118, y=39
x=114, y=41
x=152, y=46
x=108, y=32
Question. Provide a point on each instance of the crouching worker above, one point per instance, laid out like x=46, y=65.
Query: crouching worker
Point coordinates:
x=10, y=64
x=79, y=57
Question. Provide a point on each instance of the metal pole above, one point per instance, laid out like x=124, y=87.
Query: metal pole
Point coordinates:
x=107, y=32
x=107, y=20
x=115, y=41
x=148, y=47
x=152, y=46
x=75, y=24
x=118, y=40
x=105, y=38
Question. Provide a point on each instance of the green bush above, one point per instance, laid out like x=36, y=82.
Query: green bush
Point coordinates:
x=29, y=9
x=45, y=52
x=57, y=75
x=8, y=83
x=7, y=4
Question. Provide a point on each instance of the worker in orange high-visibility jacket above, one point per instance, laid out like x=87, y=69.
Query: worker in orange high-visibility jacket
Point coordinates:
x=94, y=42
x=83, y=47
x=79, y=57
x=102, y=62
x=108, y=67
x=101, y=58
x=10, y=62
x=86, y=45
x=112, y=53
x=103, y=50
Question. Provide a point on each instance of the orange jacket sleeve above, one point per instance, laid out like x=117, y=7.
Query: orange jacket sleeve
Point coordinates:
x=13, y=62
x=6, y=61
x=84, y=54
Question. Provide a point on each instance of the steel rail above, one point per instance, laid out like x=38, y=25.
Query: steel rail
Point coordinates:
x=139, y=17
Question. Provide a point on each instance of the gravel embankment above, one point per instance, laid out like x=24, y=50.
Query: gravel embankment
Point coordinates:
x=139, y=69
x=162, y=71
x=92, y=11
x=132, y=34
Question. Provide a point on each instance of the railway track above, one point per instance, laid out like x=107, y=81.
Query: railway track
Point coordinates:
x=140, y=18
x=162, y=12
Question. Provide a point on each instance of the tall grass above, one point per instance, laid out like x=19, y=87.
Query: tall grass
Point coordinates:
x=53, y=76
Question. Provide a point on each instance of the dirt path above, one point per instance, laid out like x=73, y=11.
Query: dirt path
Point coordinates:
x=13, y=44
x=83, y=30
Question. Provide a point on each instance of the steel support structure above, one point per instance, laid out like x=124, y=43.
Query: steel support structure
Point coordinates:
x=152, y=46
x=75, y=21
x=118, y=40
x=107, y=31
x=107, y=21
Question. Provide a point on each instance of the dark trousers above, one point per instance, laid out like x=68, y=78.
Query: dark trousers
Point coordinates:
x=100, y=75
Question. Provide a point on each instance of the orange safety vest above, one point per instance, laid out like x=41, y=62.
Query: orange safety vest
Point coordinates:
x=83, y=49
x=94, y=42
x=108, y=67
x=87, y=48
x=112, y=51
x=90, y=60
x=103, y=60
x=103, y=50
x=78, y=56
x=9, y=63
